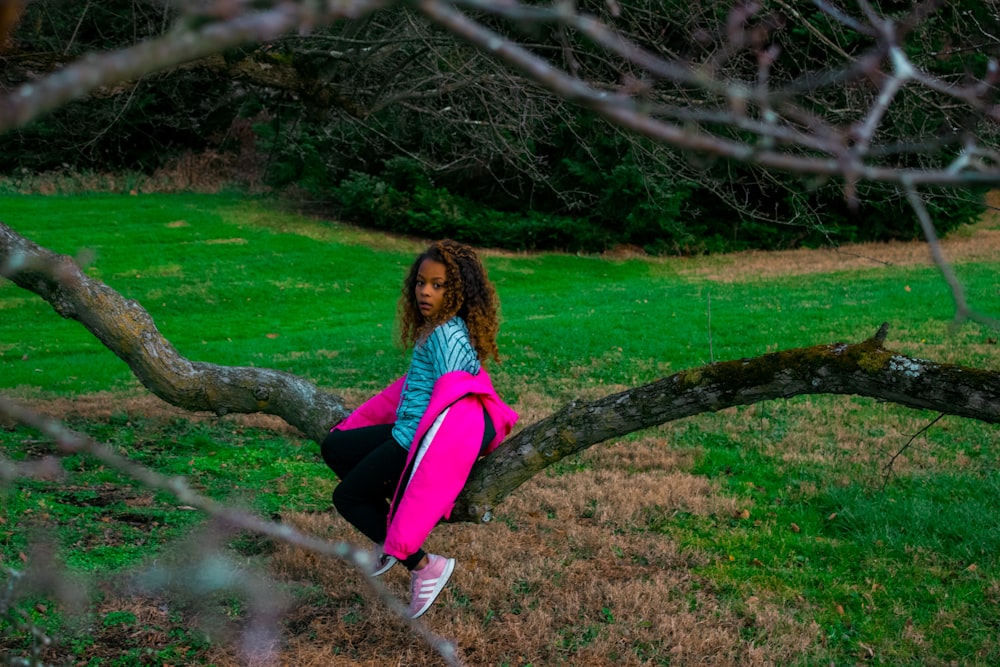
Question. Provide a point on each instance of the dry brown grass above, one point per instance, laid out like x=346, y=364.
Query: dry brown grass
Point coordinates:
x=102, y=406
x=983, y=244
x=567, y=575
x=981, y=241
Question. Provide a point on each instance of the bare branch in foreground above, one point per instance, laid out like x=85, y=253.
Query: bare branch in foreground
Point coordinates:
x=223, y=26
x=963, y=311
x=225, y=519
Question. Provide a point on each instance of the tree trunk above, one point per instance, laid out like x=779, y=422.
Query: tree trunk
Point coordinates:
x=863, y=369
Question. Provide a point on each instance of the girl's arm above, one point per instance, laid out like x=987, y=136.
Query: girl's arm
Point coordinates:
x=379, y=409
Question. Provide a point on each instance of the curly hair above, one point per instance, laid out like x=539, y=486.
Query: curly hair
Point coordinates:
x=469, y=294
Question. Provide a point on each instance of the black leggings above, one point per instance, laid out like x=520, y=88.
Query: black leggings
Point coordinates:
x=370, y=463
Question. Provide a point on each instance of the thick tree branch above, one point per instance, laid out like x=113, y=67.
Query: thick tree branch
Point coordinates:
x=127, y=329
x=861, y=369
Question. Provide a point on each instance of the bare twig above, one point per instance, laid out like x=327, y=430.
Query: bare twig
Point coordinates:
x=230, y=518
x=963, y=311
x=887, y=468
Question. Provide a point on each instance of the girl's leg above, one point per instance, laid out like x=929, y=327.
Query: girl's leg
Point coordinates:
x=342, y=450
x=369, y=463
x=362, y=497
x=415, y=561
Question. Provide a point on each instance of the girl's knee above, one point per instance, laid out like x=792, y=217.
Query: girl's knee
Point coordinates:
x=339, y=499
x=331, y=449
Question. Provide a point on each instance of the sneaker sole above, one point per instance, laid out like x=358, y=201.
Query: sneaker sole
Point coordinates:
x=438, y=587
x=385, y=568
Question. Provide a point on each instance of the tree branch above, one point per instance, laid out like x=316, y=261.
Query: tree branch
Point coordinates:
x=127, y=329
x=860, y=369
x=963, y=311
x=184, y=44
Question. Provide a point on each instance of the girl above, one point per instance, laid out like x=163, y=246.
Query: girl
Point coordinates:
x=417, y=440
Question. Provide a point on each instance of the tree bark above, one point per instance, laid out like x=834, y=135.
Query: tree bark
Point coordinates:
x=863, y=369
x=128, y=330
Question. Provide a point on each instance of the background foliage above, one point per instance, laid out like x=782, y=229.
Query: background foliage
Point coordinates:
x=393, y=124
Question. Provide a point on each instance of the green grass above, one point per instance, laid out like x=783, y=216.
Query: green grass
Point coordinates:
x=236, y=281
x=858, y=555
x=242, y=466
x=219, y=290
x=223, y=290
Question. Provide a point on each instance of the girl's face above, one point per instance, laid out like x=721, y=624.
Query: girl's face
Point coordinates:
x=430, y=288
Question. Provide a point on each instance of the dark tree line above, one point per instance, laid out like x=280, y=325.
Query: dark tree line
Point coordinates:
x=393, y=122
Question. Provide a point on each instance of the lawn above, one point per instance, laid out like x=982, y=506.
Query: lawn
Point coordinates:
x=814, y=531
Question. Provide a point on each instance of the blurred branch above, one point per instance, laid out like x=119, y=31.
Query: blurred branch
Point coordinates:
x=217, y=27
x=963, y=311
x=226, y=518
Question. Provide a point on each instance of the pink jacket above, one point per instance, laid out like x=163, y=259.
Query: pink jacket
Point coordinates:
x=445, y=458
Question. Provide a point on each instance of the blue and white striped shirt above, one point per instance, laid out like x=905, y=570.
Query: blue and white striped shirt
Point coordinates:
x=447, y=348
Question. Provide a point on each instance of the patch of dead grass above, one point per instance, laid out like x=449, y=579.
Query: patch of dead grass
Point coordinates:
x=983, y=244
x=976, y=242
x=530, y=590
x=566, y=575
x=102, y=406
